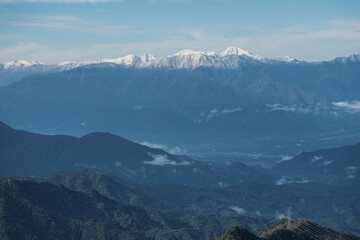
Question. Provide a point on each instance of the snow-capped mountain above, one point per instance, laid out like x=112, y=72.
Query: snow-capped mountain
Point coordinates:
x=21, y=64
x=130, y=59
x=230, y=58
x=352, y=58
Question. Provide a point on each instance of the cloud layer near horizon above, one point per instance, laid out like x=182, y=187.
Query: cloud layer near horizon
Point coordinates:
x=47, y=31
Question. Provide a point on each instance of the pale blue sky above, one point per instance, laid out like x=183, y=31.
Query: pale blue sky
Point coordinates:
x=53, y=31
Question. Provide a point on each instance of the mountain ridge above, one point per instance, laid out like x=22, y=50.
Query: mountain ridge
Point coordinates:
x=183, y=59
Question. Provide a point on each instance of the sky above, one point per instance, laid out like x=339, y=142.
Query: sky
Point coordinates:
x=53, y=31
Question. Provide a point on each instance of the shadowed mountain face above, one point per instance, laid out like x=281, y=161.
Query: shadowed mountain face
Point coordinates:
x=25, y=154
x=202, y=105
x=215, y=210
x=85, y=179
x=30, y=210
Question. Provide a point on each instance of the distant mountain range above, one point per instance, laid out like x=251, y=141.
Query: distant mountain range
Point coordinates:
x=229, y=58
x=232, y=57
x=189, y=98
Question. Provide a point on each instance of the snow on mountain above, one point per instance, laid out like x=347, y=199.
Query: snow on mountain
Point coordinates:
x=351, y=58
x=147, y=57
x=130, y=59
x=235, y=51
x=127, y=60
x=20, y=64
x=287, y=59
x=230, y=58
x=70, y=65
x=185, y=59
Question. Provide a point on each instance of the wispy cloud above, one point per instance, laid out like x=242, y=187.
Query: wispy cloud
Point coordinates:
x=11, y=36
x=353, y=106
x=57, y=1
x=351, y=171
x=288, y=180
x=171, y=1
x=61, y=22
x=205, y=116
x=21, y=49
x=291, y=108
x=285, y=158
x=162, y=160
x=238, y=210
x=299, y=41
x=172, y=150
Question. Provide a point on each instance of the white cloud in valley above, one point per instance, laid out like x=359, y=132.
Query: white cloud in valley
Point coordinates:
x=162, y=160
x=238, y=210
x=353, y=106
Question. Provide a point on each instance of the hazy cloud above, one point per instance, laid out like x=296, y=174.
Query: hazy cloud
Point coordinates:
x=300, y=42
x=57, y=1
x=215, y=113
x=61, y=22
x=280, y=215
x=351, y=171
x=285, y=158
x=231, y=110
x=238, y=210
x=162, y=160
x=316, y=158
x=353, y=106
x=291, y=108
x=172, y=150
x=288, y=180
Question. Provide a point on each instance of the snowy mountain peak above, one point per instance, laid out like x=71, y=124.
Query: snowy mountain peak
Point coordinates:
x=147, y=57
x=20, y=64
x=286, y=59
x=126, y=60
x=130, y=59
x=235, y=51
x=230, y=58
x=187, y=52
